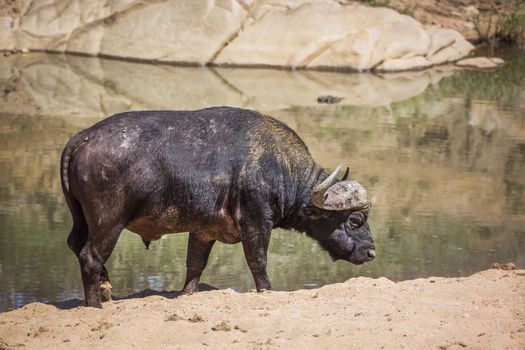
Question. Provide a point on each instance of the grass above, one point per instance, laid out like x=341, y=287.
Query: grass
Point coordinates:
x=505, y=25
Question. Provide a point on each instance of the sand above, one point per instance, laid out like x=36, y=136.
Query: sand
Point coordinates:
x=482, y=311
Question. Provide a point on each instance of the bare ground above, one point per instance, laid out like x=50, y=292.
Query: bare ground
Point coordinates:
x=482, y=311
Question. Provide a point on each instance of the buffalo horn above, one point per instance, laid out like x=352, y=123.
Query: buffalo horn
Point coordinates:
x=345, y=176
x=319, y=190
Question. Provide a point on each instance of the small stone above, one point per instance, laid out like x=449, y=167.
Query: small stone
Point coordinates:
x=329, y=99
x=196, y=318
x=173, y=317
x=223, y=327
x=239, y=328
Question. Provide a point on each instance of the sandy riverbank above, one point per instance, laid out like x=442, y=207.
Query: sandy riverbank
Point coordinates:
x=482, y=311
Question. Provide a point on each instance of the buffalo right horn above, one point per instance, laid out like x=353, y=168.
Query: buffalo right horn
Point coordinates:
x=345, y=176
x=319, y=190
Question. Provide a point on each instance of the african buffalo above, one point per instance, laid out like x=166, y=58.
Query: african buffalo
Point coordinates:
x=223, y=174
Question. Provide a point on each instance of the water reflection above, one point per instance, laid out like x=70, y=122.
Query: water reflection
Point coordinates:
x=442, y=153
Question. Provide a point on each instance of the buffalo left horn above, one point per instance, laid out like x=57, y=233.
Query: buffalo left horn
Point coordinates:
x=319, y=190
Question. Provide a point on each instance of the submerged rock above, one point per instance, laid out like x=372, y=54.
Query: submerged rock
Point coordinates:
x=329, y=99
x=285, y=33
x=481, y=62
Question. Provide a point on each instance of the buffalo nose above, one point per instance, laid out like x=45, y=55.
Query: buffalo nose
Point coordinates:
x=371, y=253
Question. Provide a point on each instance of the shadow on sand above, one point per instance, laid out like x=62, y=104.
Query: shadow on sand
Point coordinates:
x=74, y=303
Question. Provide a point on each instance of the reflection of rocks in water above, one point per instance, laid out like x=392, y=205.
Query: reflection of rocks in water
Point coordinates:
x=81, y=86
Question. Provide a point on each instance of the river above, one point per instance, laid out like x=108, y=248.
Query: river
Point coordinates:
x=442, y=153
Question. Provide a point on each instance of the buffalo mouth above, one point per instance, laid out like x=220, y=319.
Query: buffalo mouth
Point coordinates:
x=359, y=257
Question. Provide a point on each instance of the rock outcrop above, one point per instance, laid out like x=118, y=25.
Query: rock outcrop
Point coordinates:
x=285, y=33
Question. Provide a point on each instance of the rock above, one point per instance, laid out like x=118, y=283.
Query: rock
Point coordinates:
x=173, y=317
x=196, y=318
x=350, y=36
x=497, y=60
x=223, y=326
x=284, y=33
x=508, y=266
x=329, y=99
x=481, y=62
x=471, y=11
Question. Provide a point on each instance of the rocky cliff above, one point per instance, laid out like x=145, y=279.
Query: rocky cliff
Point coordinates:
x=284, y=33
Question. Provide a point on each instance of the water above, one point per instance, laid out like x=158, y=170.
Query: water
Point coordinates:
x=442, y=153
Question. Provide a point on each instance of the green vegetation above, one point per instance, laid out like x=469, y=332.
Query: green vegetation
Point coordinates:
x=377, y=3
x=506, y=25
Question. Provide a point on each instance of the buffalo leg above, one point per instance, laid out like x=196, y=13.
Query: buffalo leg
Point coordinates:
x=78, y=236
x=92, y=258
x=196, y=260
x=255, y=250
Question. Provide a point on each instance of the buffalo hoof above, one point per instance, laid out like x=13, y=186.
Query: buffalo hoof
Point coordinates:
x=105, y=291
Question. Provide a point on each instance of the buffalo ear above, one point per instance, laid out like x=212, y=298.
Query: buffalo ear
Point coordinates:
x=345, y=176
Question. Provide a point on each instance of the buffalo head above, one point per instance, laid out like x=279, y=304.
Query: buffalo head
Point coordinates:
x=338, y=219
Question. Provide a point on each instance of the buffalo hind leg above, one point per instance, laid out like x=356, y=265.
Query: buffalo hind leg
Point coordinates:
x=92, y=258
x=77, y=237
x=76, y=240
x=196, y=260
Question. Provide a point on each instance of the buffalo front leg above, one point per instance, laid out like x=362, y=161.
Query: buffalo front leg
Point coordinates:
x=256, y=250
x=196, y=260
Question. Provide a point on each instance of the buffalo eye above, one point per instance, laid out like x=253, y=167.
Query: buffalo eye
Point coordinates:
x=355, y=220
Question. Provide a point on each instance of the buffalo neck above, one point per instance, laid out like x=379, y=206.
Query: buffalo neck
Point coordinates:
x=296, y=217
